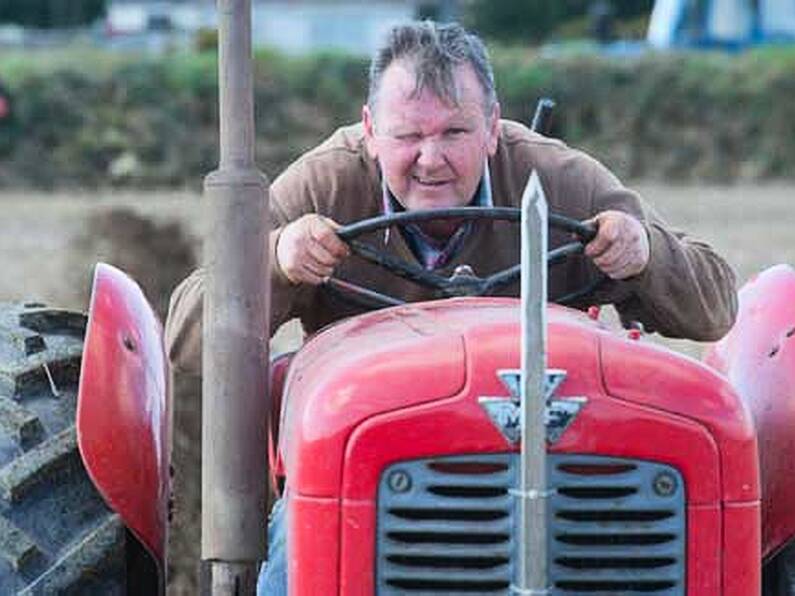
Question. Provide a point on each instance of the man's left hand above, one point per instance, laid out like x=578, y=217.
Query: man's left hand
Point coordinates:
x=621, y=246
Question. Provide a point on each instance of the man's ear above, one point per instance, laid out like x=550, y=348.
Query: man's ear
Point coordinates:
x=369, y=131
x=494, y=129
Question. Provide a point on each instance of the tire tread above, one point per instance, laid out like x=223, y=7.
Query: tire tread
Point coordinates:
x=56, y=534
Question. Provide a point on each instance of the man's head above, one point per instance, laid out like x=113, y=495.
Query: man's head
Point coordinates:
x=431, y=117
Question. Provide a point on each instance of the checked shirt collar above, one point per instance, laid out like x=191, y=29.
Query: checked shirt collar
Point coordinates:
x=430, y=252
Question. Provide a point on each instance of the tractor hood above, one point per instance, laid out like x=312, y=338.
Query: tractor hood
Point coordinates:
x=649, y=374
x=412, y=358
x=407, y=357
x=367, y=365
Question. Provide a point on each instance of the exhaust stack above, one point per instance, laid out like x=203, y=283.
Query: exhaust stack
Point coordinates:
x=235, y=403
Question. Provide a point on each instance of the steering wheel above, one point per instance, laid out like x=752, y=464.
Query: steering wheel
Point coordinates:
x=463, y=281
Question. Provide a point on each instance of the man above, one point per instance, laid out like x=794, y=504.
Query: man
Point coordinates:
x=431, y=137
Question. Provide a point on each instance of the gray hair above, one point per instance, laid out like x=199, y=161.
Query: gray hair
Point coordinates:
x=435, y=51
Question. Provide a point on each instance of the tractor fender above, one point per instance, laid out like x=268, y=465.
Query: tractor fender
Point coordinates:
x=758, y=357
x=279, y=366
x=123, y=412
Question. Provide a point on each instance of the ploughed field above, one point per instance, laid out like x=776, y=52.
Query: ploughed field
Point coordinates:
x=48, y=243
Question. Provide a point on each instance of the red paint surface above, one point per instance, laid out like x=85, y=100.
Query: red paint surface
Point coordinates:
x=278, y=373
x=313, y=529
x=366, y=365
x=742, y=562
x=651, y=375
x=454, y=427
x=357, y=572
x=758, y=357
x=122, y=411
x=407, y=386
x=704, y=550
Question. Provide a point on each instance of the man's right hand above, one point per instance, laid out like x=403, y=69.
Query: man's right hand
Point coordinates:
x=308, y=249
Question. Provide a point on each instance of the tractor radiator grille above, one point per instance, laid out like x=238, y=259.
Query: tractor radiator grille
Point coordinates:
x=446, y=525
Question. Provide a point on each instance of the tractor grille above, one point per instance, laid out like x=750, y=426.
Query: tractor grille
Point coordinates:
x=446, y=525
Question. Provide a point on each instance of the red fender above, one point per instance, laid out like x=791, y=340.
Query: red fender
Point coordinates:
x=758, y=357
x=278, y=374
x=123, y=413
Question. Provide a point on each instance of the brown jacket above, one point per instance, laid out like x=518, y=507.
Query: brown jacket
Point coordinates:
x=686, y=290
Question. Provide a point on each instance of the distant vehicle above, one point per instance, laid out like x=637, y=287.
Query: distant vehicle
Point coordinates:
x=152, y=26
x=727, y=24
x=693, y=24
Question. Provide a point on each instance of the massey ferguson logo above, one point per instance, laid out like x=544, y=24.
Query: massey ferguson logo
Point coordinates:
x=504, y=412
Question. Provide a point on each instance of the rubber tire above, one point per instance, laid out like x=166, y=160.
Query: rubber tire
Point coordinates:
x=778, y=575
x=56, y=534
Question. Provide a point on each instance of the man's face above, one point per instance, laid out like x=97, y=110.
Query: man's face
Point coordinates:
x=431, y=153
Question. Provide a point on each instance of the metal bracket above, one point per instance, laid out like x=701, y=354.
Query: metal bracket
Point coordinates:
x=532, y=494
x=542, y=592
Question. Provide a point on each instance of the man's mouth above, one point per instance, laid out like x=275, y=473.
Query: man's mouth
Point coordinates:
x=429, y=182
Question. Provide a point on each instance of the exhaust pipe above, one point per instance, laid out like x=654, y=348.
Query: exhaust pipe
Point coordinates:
x=235, y=403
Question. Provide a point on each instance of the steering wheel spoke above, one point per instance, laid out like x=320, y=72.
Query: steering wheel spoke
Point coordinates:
x=585, y=231
x=561, y=253
x=501, y=279
x=463, y=282
x=576, y=295
x=363, y=296
x=397, y=265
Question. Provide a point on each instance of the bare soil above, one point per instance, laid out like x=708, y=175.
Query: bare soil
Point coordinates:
x=39, y=234
x=44, y=256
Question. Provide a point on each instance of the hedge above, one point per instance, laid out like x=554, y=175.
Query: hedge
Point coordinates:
x=153, y=122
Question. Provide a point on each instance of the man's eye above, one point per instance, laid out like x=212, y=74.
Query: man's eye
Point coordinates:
x=410, y=137
x=456, y=132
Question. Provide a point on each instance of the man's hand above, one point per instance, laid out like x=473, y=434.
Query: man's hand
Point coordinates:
x=308, y=249
x=621, y=246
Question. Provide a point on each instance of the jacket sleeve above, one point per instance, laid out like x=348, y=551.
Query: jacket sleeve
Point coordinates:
x=183, y=332
x=686, y=291
x=183, y=329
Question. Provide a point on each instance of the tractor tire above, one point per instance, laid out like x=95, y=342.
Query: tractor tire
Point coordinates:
x=778, y=577
x=56, y=534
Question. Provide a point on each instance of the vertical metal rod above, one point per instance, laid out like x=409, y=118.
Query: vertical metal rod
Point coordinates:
x=235, y=84
x=235, y=402
x=532, y=492
x=542, y=118
x=229, y=578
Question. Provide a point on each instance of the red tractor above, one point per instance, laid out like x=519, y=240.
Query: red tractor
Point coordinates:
x=467, y=445
x=667, y=475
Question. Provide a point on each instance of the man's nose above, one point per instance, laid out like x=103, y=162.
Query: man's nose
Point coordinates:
x=431, y=154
